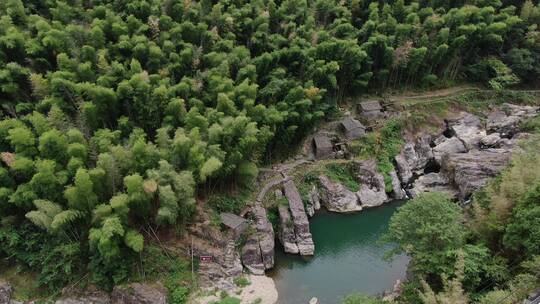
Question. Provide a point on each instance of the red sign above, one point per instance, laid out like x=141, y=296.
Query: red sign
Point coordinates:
x=205, y=258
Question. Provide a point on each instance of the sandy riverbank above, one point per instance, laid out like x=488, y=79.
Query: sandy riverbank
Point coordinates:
x=261, y=290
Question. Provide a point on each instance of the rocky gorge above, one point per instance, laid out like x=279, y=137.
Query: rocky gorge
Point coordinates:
x=457, y=159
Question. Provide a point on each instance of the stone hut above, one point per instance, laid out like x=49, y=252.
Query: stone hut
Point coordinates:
x=370, y=109
x=234, y=223
x=352, y=128
x=322, y=146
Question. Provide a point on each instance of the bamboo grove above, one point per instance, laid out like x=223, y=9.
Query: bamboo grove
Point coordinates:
x=116, y=114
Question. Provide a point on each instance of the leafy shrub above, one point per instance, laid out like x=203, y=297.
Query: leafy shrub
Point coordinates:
x=241, y=282
x=172, y=270
x=343, y=174
x=531, y=125
x=384, y=144
x=179, y=295
x=225, y=203
x=228, y=300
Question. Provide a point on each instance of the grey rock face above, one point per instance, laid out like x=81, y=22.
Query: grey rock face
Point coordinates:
x=404, y=170
x=372, y=188
x=258, y=251
x=413, y=158
x=336, y=197
x=432, y=182
x=5, y=292
x=468, y=129
x=470, y=171
x=491, y=141
x=449, y=145
x=310, y=209
x=314, y=198
x=397, y=191
x=265, y=235
x=232, y=265
x=137, y=293
x=300, y=220
x=314, y=202
x=287, y=235
x=370, y=197
x=96, y=297
x=251, y=255
x=506, y=120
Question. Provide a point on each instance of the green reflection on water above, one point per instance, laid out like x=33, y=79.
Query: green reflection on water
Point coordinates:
x=347, y=259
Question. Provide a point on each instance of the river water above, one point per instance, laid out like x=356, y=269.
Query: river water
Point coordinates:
x=347, y=259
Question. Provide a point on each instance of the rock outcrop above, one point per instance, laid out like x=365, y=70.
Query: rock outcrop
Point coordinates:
x=314, y=198
x=336, y=197
x=432, y=182
x=265, y=234
x=413, y=158
x=505, y=120
x=258, y=251
x=372, y=188
x=251, y=255
x=465, y=156
x=468, y=129
x=446, y=146
x=304, y=239
x=397, y=191
x=137, y=293
x=313, y=201
x=492, y=140
x=470, y=171
x=286, y=234
x=88, y=297
x=231, y=263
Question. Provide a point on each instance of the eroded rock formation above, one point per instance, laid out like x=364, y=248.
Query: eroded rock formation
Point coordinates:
x=372, y=188
x=304, y=240
x=258, y=251
x=137, y=293
x=336, y=197
x=466, y=154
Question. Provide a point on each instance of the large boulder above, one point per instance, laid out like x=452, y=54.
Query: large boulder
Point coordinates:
x=403, y=168
x=467, y=128
x=5, y=292
x=492, y=140
x=370, y=197
x=372, y=187
x=231, y=262
x=137, y=293
x=251, y=255
x=88, y=297
x=448, y=145
x=314, y=198
x=286, y=234
x=304, y=239
x=397, y=191
x=470, y=171
x=336, y=197
x=432, y=182
x=413, y=158
x=505, y=120
x=265, y=235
